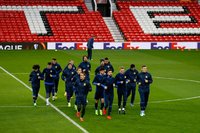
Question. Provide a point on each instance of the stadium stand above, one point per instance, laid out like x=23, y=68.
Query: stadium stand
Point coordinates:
x=158, y=20
x=50, y=21
x=71, y=21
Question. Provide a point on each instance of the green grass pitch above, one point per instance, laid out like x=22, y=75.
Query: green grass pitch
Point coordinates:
x=180, y=114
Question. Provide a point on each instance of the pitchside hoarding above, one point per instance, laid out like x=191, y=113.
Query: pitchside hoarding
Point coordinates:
x=23, y=46
x=101, y=46
x=124, y=45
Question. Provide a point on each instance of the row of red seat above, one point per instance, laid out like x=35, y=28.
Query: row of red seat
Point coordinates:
x=79, y=27
x=132, y=31
x=64, y=27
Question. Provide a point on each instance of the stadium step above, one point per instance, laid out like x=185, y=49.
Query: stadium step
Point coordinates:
x=114, y=30
x=89, y=5
x=114, y=7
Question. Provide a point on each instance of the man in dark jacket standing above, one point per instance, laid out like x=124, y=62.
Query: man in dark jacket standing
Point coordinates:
x=90, y=47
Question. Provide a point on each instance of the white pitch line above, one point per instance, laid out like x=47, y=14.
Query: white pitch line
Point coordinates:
x=17, y=73
x=161, y=101
x=90, y=105
x=187, y=80
x=21, y=73
x=157, y=77
x=19, y=106
x=174, y=100
x=54, y=107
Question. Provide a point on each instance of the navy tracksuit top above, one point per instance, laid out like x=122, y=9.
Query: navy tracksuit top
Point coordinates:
x=131, y=75
x=120, y=81
x=57, y=68
x=90, y=43
x=108, y=66
x=49, y=76
x=82, y=87
x=85, y=66
x=108, y=82
x=141, y=79
x=68, y=75
x=98, y=79
x=34, y=78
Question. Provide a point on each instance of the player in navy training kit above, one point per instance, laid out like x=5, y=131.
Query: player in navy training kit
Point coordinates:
x=99, y=94
x=86, y=67
x=76, y=77
x=131, y=76
x=58, y=70
x=107, y=65
x=67, y=76
x=73, y=67
x=49, y=75
x=144, y=80
x=101, y=65
x=82, y=87
x=109, y=84
x=34, y=78
x=120, y=82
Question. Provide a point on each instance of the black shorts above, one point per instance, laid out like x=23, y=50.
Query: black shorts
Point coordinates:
x=99, y=95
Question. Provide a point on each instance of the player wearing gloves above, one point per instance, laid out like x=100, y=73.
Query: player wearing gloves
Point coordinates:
x=86, y=67
x=82, y=87
x=131, y=76
x=67, y=76
x=49, y=75
x=109, y=83
x=120, y=81
x=99, y=94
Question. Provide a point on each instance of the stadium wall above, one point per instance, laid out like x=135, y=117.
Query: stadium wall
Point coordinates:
x=101, y=46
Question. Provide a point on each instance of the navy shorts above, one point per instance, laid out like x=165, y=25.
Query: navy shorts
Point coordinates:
x=99, y=95
x=35, y=90
x=49, y=88
x=81, y=100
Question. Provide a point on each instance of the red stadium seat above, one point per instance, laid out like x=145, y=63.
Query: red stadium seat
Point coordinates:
x=132, y=30
x=62, y=26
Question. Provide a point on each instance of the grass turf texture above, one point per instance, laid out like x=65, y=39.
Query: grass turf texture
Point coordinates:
x=178, y=116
